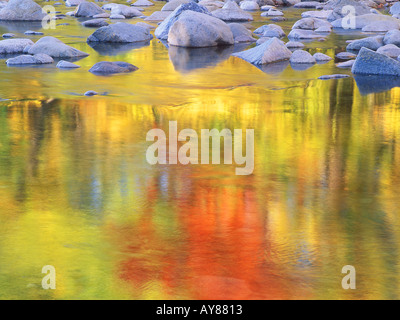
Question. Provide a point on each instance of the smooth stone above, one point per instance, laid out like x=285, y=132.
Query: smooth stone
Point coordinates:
x=87, y=9
x=249, y=6
x=267, y=7
x=262, y=40
x=372, y=43
x=67, y=65
x=333, y=76
x=294, y=44
x=369, y=62
x=320, y=14
x=73, y=3
x=395, y=9
x=346, y=64
x=197, y=30
x=324, y=29
x=95, y=23
x=273, y=50
x=33, y=33
x=145, y=25
x=172, y=5
x=307, y=5
x=39, y=58
x=381, y=26
x=272, y=13
x=392, y=37
x=143, y=3
x=91, y=93
x=117, y=17
x=106, y=67
x=231, y=12
x=121, y=32
x=270, y=30
x=311, y=24
x=126, y=11
x=366, y=19
x=241, y=33
x=11, y=46
x=321, y=57
x=158, y=16
x=162, y=31
x=345, y=55
x=55, y=48
x=389, y=50
x=303, y=34
x=8, y=35
x=301, y=56
x=337, y=6
x=22, y=10
x=104, y=15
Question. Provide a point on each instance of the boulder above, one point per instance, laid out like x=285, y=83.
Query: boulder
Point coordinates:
x=55, y=48
x=369, y=62
x=249, y=6
x=345, y=55
x=321, y=57
x=270, y=30
x=273, y=50
x=346, y=64
x=22, y=10
x=389, y=50
x=143, y=3
x=198, y=30
x=172, y=5
x=395, y=9
x=301, y=56
x=320, y=14
x=11, y=46
x=337, y=8
x=363, y=20
x=62, y=64
x=162, y=31
x=158, y=16
x=272, y=13
x=95, y=23
x=73, y=3
x=117, y=17
x=127, y=12
x=381, y=26
x=372, y=43
x=311, y=24
x=87, y=9
x=231, y=12
x=294, y=45
x=307, y=5
x=39, y=58
x=241, y=33
x=392, y=37
x=105, y=67
x=121, y=32
x=297, y=34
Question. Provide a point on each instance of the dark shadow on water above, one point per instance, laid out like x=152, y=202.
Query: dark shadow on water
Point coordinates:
x=113, y=49
x=189, y=59
x=374, y=84
x=20, y=26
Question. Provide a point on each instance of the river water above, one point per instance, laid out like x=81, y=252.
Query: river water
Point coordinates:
x=77, y=193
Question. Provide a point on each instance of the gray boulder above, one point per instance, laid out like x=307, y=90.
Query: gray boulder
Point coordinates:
x=272, y=13
x=143, y=3
x=346, y=64
x=389, y=50
x=345, y=55
x=249, y=6
x=158, y=16
x=197, y=30
x=39, y=58
x=366, y=19
x=301, y=56
x=337, y=8
x=381, y=26
x=311, y=24
x=162, y=31
x=241, y=33
x=73, y=3
x=395, y=9
x=55, y=48
x=127, y=12
x=369, y=62
x=121, y=32
x=67, y=65
x=392, y=37
x=87, y=9
x=297, y=34
x=105, y=67
x=294, y=45
x=95, y=23
x=372, y=43
x=270, y=30
x=307, y=5
x=320, y=14
x=231, y=12
x=273, y=50
x=11, y=46
x=22, y=10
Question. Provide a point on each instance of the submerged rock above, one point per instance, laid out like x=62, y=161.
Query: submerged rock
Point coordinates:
x=91, y=93
x=67, y=65
x=22, y=10
x=162, y=31
x=55, y=48
x=241, y=33
x=39, y=58
x=301, y=56
x=369, y=62
x=8, y=35
x=346, y=64
x=11, y=46
x=121, y=32
x=231, y=12
x=273, y=50
x=106, y=67
x=196, y=30
x=333, y=76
